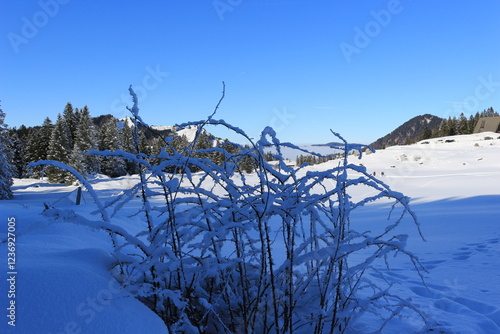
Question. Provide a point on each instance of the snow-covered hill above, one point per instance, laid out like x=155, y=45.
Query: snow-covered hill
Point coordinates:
x=62, y=282
x=409, y=131
x=457, y=166
x=189, y=132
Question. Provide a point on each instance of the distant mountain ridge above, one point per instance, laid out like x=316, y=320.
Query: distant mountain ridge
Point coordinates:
x=409, y=131
x=154, y=130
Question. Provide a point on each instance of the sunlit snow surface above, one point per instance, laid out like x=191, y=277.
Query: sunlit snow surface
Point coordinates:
x=63, y=284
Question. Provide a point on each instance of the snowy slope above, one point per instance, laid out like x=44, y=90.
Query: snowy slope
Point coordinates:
x=292, y=154
x=63, y=284
x=127, y=121
x=163, y=127
x=468, y=166
x=189, y=132
x=455, y=188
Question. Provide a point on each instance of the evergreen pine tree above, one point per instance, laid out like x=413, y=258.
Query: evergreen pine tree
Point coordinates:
x=247, y=162
x=71, y=118
x=472, y=122
x=46, y=134
x=17, y=148
x=156, y=145
x=144, y=146
x=128, y=144
x=452, y=126
x=32, y=151
x=298, y=160
x=180, y=143
x=426, y=134
x=219, y=158
x=59, y=150
x=490, y=112
x=85, y=140
x=203, y=142
x=444, y=129
x=435, y=132
x=463, y=125
x=110, y=139
x=6, y=169
x=37, y=145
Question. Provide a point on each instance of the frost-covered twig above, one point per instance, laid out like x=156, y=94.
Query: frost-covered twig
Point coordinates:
x=221, y=250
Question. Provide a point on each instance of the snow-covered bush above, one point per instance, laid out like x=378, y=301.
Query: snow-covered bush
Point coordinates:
x=224, y=251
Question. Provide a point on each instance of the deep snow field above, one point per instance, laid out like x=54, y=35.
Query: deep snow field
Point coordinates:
x=62, y=283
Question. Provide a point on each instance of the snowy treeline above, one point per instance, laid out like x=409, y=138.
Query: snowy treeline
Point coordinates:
x=220, y=252
x=75, y=132
x=458, y=126
x=311, y=159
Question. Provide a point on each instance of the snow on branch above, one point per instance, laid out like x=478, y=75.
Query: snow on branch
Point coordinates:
x=277, y=249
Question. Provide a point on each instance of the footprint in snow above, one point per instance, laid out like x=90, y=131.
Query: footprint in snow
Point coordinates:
x=396, y=275
x=429, y=265
x=389, y=275
x=448, y=299
x=462, y=256
x=493, y=241
x=490, y=312
x=481, y=248
x=422, y=291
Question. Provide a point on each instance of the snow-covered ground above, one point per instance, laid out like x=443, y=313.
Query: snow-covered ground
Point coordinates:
x=291, y=154
x=61, y=274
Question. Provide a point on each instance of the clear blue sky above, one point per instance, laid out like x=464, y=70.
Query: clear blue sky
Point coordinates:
x=360, y=68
